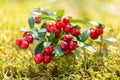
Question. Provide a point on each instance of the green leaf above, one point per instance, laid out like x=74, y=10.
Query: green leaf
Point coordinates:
x=101, y=25
x=111, y=39
x=94, y=23
x=58, y=50
x=46, y=44
x=35, y=35
x=41, y=36
x=31, y=22
x=39, y=48
x=105, y=53
x=60, y=13
x=90, y=48
x=52, y=35
x=26, y=30
x=44, y=16
x=43, y=25
x=77, y=21
x=85, y=35
x=80, y=44
x=42, y=30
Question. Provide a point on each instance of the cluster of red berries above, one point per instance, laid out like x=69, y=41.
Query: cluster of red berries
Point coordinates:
x=45, y=56
x=67, y=45
x=24, y=43
x=62, y=24
x=95, y=33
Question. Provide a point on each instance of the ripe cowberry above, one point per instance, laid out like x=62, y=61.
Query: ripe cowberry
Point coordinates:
x=75, y=32
x=67, y=38
x=48, y=50
x=57, y=32
x=66, y=20
x=67, y=28
x=59, y=24
x=64, y=45
x=47, y=59
x=18, y=41
x=93, y=34
x=99, y=31
x=37, y=19
x=24, y=44
x=72, y=45
x=38, y=58
x=29, y=39
x=50, y=27
x=26, y=34
x=67, y=52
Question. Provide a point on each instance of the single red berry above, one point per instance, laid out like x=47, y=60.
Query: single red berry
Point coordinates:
x=18, y=41
x=67, y=28
x=24, y=44
x=75, y=32
x=37, y=19
x=50, y=27
x=64, y=45
x=29, y=39
x=67, y=52
x=67, y=38
x=57, y=32
x=93, y=34
x=48, y=50
x=38, y=58
x=72, y=45
x=66, y=20
x=99, y=31
x=26, y=34
x=59, y=24
x=47, y=59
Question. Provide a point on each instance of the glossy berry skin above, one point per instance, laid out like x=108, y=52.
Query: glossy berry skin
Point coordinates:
x=93, y=34
x=18, y=41
x=64, y=45
x=67, y=38
x=67, y=28
x=57, y=32
x=99, y=31
x=29, y=39
x=24, y=44
x=66, y=20
x=37, y=19
x=47, y=59
x=26, y=34
x=48, y=50
x=50, y=27
x=38, y=58
x=72, y=45
x=59, y=24
x=67, y=52
x=75, y=32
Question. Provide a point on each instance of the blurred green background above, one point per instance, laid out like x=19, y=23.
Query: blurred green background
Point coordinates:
x=14, y=15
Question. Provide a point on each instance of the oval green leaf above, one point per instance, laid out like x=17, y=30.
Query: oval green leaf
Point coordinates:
x=39, y=48
x=31, y=22
x=85, y=35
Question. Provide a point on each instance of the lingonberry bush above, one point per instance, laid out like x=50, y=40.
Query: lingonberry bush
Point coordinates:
x=60, y=35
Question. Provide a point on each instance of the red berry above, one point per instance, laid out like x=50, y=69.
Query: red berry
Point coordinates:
x=18, y=41
x=24, y=44
x=64, y=45
x=48, y=50
x=93, y=34
x=38, y=58
x=57, y=32
x=37, y=19
x=29, y=39
x=59, y=24
x=75, y=32
x=47, y=59
x=66, y=20
x=67, y=38
x=26, y=34
x=50, y=27
x=67, y=52
x=67, y=28
x=99, y=31
x=72, y=45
